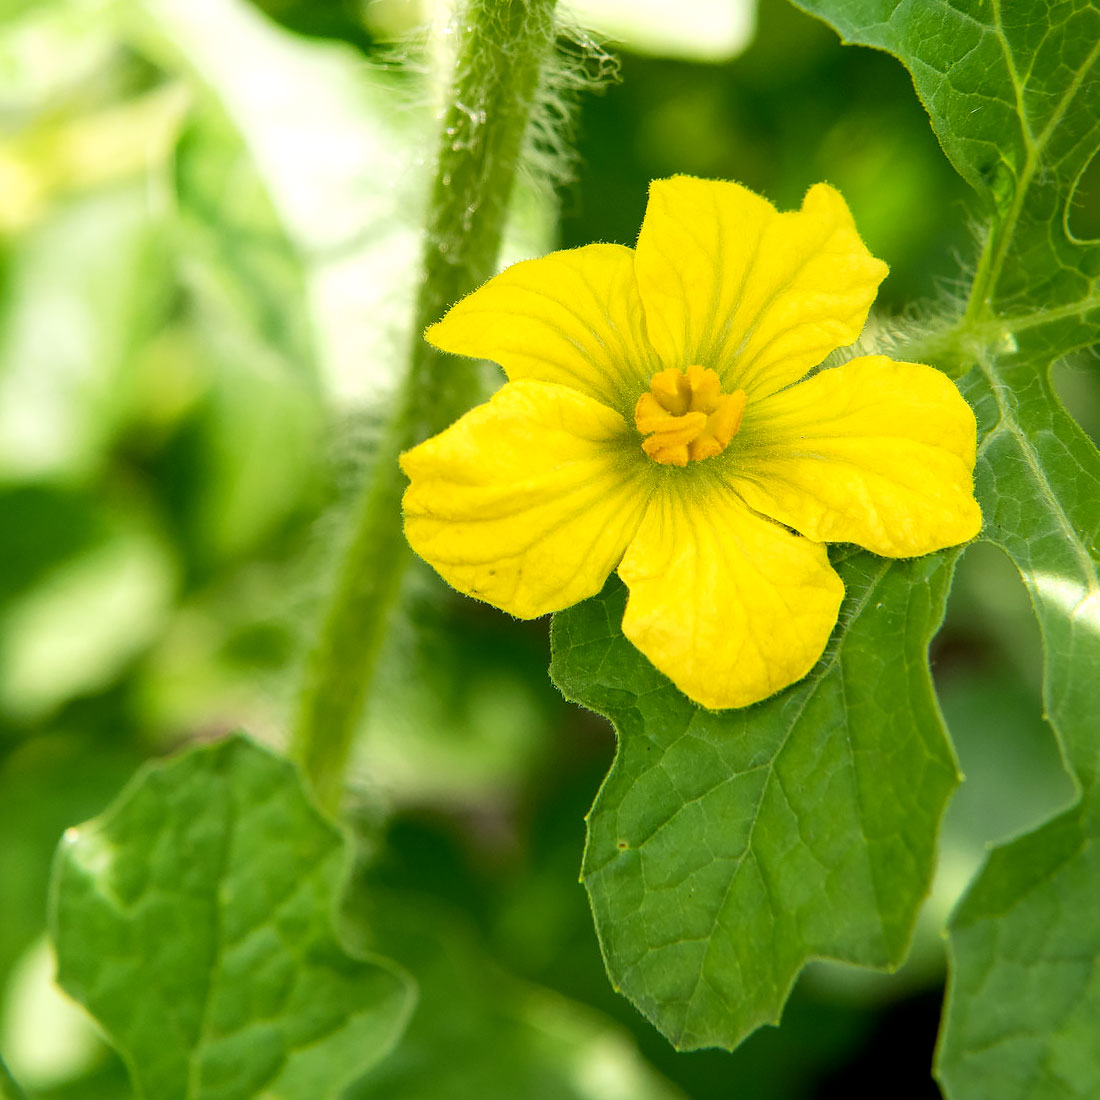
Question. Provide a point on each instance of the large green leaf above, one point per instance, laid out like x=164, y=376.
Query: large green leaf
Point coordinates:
x=194, y=920
x=725, y=849
x=1013, y=92
x=1023, y=1009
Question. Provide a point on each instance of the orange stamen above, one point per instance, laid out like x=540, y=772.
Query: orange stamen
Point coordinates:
x=686, y=417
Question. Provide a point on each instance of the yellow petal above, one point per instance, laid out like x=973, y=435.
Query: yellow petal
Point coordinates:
x=573, y=318
x=874, y=452
x=759, y=296
x=730, y=606
x=525, y=502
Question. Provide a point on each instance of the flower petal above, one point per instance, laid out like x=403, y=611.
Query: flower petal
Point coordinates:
x=759, y=296
x=874, y=452
x=573, y=318
x=525, y=502
x=730, y=606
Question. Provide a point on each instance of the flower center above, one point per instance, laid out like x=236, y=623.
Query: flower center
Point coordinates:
x=686, y=416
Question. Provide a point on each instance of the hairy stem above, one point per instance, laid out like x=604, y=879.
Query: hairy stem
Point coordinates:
x=503, y=46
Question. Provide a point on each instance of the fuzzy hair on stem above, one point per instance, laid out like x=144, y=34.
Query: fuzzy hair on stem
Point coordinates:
x=504, y=49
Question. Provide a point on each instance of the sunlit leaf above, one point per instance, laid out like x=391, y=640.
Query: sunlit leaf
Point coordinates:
x=47, y=1039
x=86, y=286
x=324, y=139
x=698, y=30
x=194, y=920
x=254, y=444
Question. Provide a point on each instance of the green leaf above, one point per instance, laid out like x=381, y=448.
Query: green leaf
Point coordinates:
x=478, y=1032
x=62, y=401
x=52, y=782
x=194, y=920
x=1024, y=994
x=726, y=849
x=253, y=445
x=9, y=1090
x=1014, y=95
x=242, y=266
x=352, y=218
x=81, y=610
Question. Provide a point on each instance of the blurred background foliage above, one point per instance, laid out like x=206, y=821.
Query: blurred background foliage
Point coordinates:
x=208, y=232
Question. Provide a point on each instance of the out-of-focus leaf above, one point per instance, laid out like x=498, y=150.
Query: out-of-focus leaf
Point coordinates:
x=339, y=147
x=194, y=920
x=1014, y=96
x=72, y=633
x=48, y=1040
x=86, y=285
x=43, y=526
x=83, y=150
x=252, y=448
x=1014, y=775
x=251, y=454
x=13, y=9
x=50, y=782
x=698, y=30
x=236, y=253
x=343, y=20
x=450, y=724
x=71, y=619
x=335, y=153
x=9, y=1090
x=48, y=50
x=478, y=1033
x=726, y=849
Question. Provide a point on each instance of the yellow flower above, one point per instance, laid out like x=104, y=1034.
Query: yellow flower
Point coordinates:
x=651, y=423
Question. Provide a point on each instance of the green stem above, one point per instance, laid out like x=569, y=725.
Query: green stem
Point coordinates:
x=977, y=306
x=503, y=46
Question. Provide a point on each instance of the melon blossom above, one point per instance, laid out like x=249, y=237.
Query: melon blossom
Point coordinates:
x=661, y=419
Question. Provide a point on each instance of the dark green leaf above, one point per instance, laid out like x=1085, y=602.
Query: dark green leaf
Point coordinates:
x=194, y=920
x=725, y=849
x=1013, y=92
x=1024, y=996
